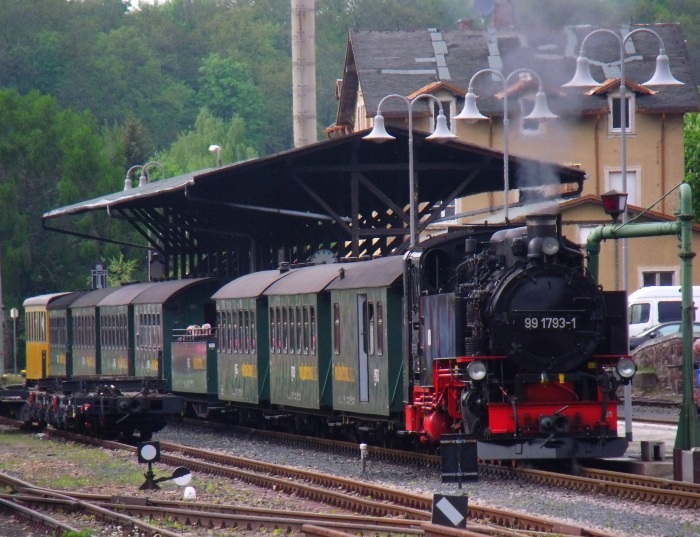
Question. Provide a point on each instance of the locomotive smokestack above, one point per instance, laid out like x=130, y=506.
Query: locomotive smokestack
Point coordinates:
x=541, y=225
x=303, y=72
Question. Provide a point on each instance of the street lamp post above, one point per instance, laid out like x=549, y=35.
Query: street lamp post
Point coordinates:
x=539, y=112
x=662, y=77
x=213, y=148
x=379, y=134
x=144, y=179
x=14, y=314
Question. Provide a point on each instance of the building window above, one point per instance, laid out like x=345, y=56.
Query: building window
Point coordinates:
x=528, y=126
x=633, y=188
x=446, y=109
x=614, y=119
x=651, y=277
x=584, y=230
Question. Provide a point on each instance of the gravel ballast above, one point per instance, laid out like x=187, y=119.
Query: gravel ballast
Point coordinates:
x=628, y=518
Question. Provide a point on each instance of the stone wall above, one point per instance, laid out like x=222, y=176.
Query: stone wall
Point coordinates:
x=659, y=366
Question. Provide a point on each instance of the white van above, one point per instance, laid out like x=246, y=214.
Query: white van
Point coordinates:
x=652, y=305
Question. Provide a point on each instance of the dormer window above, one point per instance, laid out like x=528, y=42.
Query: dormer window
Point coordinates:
x=528, y=126
x=447, y=108
x=614, y=119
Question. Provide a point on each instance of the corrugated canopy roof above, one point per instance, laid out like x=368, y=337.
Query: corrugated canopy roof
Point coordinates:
x=346, y=193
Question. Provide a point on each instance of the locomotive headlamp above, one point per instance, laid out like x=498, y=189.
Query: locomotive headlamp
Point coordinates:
x=626, y=368
x=550, y=246
x=476, y=370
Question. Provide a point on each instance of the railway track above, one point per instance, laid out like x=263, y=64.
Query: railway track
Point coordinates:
x=369, y=500
x=373, y=501
x=610, y=483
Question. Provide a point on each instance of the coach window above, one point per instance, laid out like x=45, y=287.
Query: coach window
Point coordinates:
x=336, y=328
x=220, y=331
x=370, y=326
x=229, y=329
x=278, y=335
x=285, y=328
x=241, y=332
x=380, y=329
x=292, y=331
x=306, y=329
x=299, y=330
x=312, y=331
x=246, y=333
x=223, y=332
x=253, y=333
x=237, y=343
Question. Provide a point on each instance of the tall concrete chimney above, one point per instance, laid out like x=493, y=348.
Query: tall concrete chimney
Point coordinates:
x=304, y=72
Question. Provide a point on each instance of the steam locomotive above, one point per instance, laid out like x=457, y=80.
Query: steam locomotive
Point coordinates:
x=498, y=333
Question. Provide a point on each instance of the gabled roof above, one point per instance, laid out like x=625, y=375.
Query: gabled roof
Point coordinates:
x=614, y=83
x=380, y=63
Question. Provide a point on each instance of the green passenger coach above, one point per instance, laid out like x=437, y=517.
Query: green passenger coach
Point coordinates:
x=367, y=357
x=299, y=338
x=243, y=356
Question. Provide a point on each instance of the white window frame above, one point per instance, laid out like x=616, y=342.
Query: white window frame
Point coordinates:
x=584, y=231
x=634, y=178
x=631, y=108
x=641, y=270
x=449, y=104
x=524, y=111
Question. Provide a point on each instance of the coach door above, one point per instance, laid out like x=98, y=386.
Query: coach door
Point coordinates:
x=362, y=347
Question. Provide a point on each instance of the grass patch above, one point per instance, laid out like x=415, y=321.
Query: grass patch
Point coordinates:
x=33, y=456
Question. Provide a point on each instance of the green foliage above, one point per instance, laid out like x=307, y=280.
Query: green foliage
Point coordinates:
x=135, y=141
x=191, y=150
x=692, y=158
x=120, y=271
x=227, y=89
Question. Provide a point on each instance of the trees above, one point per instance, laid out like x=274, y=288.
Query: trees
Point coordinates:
x=48, y=157
x=226, y=88
x=191, y=150
x=692, y=158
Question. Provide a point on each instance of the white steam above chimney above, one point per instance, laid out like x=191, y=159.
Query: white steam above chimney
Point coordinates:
x=304, y=71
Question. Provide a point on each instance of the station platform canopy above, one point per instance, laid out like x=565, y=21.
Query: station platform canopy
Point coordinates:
x=344, y=195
